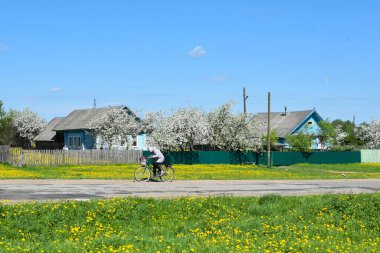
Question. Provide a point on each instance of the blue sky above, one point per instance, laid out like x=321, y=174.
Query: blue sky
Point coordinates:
x=57, y=56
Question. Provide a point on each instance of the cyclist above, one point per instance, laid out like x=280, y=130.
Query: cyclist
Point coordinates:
x=159, y=159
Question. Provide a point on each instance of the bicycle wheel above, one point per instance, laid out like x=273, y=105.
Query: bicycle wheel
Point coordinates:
x=142, y=174
x=168, y=173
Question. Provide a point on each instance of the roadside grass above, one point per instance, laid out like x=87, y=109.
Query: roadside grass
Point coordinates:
x=271, y=223
x=198, y=172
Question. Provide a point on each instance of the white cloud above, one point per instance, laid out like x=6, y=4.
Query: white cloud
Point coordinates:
x=197, y=52
x=55, y=90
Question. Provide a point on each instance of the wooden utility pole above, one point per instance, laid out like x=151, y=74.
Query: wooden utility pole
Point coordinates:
x=268, y=133
x=244, y=100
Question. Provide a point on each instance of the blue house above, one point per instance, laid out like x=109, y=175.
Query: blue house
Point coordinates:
x=77, y=133
x=288, y=123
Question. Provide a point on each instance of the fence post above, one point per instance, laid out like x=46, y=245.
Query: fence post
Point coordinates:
x=63, y=156
x=55, y=158
x=21, y=163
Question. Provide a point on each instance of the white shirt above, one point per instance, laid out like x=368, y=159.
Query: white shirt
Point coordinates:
x=157, y=154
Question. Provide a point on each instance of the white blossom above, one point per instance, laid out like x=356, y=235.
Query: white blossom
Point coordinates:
x=180, y=131
x=339, y=135
x=233, y=132
x=115, y=124
x=188, y=127
x=157, y=130
x=371, y=134
x=152, y=121
x=28, y=123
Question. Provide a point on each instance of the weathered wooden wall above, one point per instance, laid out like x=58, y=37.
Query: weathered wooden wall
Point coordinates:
x=18, y=156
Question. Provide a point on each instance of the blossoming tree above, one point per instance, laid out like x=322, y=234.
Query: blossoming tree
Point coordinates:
x=182, y=130
x=187, y=128
x=158, y=130
x=28, y=124
x=115, y=124
x=233, y=132
x=370, y=134
x=7, y=129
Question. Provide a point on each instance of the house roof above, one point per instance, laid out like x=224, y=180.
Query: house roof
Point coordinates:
x=48, y=134
x=283, y=123
x=81, y=119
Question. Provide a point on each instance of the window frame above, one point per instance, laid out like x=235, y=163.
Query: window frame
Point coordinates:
x=134, y=141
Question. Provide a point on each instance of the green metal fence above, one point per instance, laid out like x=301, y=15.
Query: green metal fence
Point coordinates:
x=277, y=158
x=289, y=158
x=209, y=157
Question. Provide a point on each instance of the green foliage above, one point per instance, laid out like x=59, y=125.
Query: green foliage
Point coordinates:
x=330, y=135
x=300, y=142
x=350, y=223
x=273, y=140
x=352, y=140
x=326, y=133
x=7, y=130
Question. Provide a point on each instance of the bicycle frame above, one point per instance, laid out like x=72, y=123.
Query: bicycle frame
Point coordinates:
x=149, y=163
x=166, y=172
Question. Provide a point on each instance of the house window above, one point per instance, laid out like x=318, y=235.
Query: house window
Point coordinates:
x=310, y=123
x=75, y=141
x=134, y=140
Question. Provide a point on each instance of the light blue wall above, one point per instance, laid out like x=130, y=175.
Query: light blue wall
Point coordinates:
x=141, y=141
x=89, y=140
x=309, y=126
x=86, y=139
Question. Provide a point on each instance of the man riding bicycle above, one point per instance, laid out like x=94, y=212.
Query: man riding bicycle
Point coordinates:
x=159, y=159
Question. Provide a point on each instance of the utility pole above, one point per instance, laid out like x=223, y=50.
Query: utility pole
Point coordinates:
x=268, y=133
x=245, y=100
x=94, y=105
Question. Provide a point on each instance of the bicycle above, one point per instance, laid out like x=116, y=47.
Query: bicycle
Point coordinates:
x=145, y=172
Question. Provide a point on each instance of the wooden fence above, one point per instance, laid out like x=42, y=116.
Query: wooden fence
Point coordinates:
x=18, y=156
x=4, y=154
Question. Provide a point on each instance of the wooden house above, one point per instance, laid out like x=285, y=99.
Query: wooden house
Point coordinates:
x=288, y=123
x=49, y=139
x=77, y=134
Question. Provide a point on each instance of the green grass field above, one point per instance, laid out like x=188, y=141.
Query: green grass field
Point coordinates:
x=198, y=172
x=323, y=223
x=327, y=223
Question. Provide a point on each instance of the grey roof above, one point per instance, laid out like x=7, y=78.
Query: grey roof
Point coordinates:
x=48, y=134
x=80, y=119
x=283, y=124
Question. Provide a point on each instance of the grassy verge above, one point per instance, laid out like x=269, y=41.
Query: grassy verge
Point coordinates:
x=328, y=223
x=199, y=172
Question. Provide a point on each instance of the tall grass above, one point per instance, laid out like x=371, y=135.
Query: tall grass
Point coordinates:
x=328, y=223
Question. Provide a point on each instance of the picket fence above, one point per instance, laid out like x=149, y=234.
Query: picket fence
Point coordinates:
x=18, y=156
x=4, y=154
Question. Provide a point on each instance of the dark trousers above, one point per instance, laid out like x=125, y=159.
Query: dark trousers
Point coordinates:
x=156, y=167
